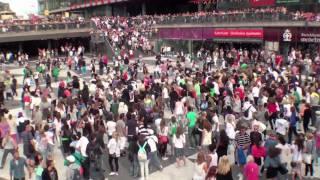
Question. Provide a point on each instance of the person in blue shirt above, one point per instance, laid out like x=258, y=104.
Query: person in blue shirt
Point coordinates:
x=292, y=124
x=17, y=167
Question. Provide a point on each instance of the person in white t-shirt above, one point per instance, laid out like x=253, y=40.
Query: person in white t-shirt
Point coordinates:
x=247, y=106
x=282, y=125
x=111, y=127
x=154, y=158
x=213, y=156
x=179, y=141
x=165, y=96
x=255, y=94
x=285, y=155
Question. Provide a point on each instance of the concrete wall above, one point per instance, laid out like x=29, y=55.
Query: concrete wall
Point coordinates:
x=44, y=35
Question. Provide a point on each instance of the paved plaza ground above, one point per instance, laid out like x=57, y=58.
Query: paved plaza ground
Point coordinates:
x=170, y=171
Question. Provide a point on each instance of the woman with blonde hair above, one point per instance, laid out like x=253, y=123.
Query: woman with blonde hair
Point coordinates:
x=224, y=169
x=114, y=153
x=201, y=167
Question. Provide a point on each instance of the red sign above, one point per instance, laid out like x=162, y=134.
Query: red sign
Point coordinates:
x=257, y=3
x=238, y=33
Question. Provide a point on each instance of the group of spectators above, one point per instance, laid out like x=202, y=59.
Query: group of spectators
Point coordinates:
x=37, y=23
x=252, y=14
x=249, y=105
x=127, y=35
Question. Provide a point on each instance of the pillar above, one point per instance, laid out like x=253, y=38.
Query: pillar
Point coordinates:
x=143, y=9
x=199, y=7
x=190, y=47
x=86, y=13
x=49, y=44
x=286, y=48
x=108, y=10
x=20, y=47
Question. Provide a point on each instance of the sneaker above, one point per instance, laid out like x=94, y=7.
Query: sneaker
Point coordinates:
x=112, y=174
x=164, y=158
x=116, y=173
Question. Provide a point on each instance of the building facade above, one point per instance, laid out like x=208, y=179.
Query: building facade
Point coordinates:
x=88, y=8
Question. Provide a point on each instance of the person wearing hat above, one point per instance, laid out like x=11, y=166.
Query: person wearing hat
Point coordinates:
x=73, y=169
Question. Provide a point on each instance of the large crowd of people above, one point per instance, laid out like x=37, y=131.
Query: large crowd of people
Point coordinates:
x=243, y=15
x=127, y=35
x=244, y=106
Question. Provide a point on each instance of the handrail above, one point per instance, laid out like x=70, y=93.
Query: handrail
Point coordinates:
x=5, y=29
x=232, y=18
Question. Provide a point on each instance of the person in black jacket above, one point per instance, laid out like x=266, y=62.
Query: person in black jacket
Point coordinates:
x=85, y=94
x=307, y=113
x=50, y=173
x=174, y=97
x=133, y=157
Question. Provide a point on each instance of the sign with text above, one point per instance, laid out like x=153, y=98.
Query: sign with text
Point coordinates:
x=287, y=1
x=238, y=33
x=257, y=3
x=309, y=37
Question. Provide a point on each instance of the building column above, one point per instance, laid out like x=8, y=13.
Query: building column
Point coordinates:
x=20, y=47
x=143, y=9
x=86, y=13
x=200, y=7
x=49, y=44
x=286, y=47
x=190, y=47
x=108, y=10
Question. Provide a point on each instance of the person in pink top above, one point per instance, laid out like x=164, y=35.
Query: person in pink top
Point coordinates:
x=251, y=169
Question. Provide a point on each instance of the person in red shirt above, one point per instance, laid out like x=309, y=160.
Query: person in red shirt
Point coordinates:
x=240, y=92
x=278, y=60
x=272, y=111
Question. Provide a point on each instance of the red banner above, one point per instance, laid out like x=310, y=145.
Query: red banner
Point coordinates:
x=238, y=33
x=257, y=3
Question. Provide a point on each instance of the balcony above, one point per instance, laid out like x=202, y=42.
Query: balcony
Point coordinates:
x=27, y=32
x=238, y=20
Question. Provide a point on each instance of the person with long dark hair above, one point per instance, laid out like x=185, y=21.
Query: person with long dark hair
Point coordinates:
x=296, y=163
x=307, y=113
x=272, y=163
x=211, y=175
x=163, y=139
x=223, y=143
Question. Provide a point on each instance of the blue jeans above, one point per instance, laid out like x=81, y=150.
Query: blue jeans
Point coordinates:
x=134, y=167
x=154, y=159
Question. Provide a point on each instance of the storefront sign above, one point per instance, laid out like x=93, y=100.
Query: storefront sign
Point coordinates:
x=257, y=3
x=287, y=1
x=238, y=33
x=310, y=37
x=287, y=36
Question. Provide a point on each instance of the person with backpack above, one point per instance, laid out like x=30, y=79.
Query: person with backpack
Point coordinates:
x=248, y=109
x=143, y=151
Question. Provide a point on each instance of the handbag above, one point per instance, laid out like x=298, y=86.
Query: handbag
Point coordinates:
x=241, y=156
x=307, y=158
x=163, y=139
x=282, y=169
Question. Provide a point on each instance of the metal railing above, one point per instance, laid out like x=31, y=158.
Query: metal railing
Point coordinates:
x=229, y=18
x=43, y=27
